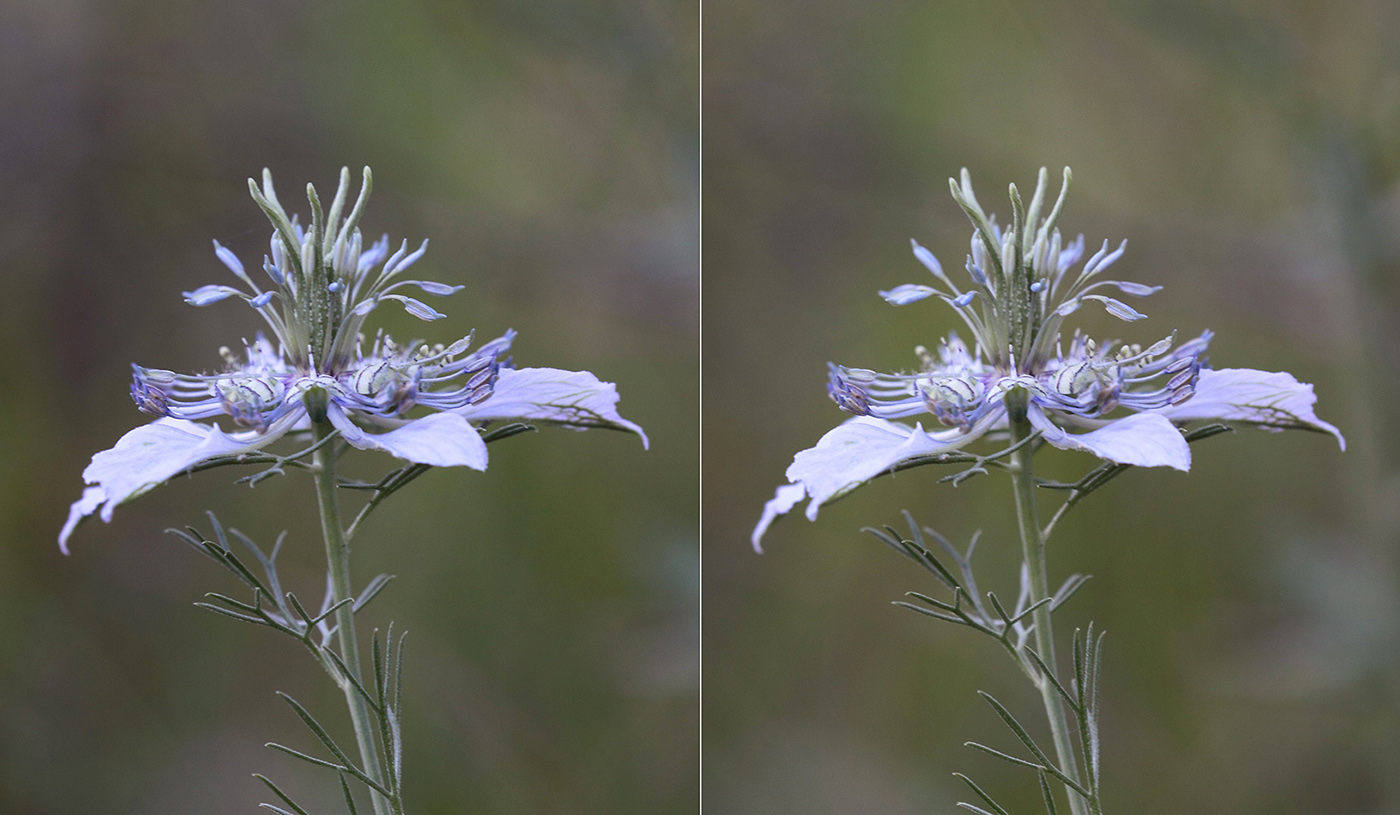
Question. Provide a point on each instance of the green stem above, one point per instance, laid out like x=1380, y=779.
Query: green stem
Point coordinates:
x=1033, y=549
x=338, y=561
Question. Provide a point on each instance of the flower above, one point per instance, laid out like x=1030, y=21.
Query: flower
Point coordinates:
x=1122, y=401
x=325, y=282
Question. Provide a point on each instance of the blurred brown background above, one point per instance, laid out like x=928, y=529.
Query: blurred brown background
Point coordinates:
x=1249, y=152
x=549, y=150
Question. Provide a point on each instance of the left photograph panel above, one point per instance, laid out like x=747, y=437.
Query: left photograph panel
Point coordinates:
x=305, y=303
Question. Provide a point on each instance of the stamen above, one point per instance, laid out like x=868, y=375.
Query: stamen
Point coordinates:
x=206, y=295
x=847, y=395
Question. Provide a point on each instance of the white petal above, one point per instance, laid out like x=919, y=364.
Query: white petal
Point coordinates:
x=439, y=439
x=1142, y=439
x=1273, y=400
x=576, y=399
x=865, y=447
x=153, y=453
x=781, y=503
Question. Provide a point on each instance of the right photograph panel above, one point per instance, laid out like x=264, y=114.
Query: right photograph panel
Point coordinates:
x=1047, y=363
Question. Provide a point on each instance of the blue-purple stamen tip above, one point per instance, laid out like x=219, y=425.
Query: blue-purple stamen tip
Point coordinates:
x=978, y=276
x=847, y=395
x=272, y=271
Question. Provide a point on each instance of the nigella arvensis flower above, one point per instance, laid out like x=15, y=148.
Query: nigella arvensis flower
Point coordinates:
x=1120, y=402
x=324, y=282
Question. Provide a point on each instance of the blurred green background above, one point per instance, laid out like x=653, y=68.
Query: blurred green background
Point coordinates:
x=549, y=150
x=1249, y=152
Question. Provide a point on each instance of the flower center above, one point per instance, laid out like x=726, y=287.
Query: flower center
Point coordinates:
x=950, y=397
x=248, y=399
x=393, y=387
x=1088, y=382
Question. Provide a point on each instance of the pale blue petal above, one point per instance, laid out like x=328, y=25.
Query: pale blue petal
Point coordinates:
x=153, y=453
x=1141, y=439
x=865, y=447
x=1272, y=400
x=83, y=507
x=575, y=399
x=787, y=497
x=438, y=439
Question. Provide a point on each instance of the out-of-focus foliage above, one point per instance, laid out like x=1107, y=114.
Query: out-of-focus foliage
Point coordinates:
x=1250, y=153
x=549, y=151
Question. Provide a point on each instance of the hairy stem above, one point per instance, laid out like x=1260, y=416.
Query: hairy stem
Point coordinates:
x=338, y=561
x=1033, y=549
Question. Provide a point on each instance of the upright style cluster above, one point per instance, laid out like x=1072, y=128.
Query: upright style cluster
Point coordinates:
x=321, y=284
x=1119, y=401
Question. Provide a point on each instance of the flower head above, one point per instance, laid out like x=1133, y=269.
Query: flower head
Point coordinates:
x=1118, y=401
x=321, y=284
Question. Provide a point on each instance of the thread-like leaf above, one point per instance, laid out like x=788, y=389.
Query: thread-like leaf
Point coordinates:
x=1206, y=431
x=352, y=679
x=234, y=614
x=930, y=612
x=505, y=431
x=350, y=799
x=328, y=612
x=351, y=769
x=1097, y=663
x=1015, y=726
x=371, y=590
x=218, y=530
x=317, y=729
x=398, y=677
x=1026, y=739
x=1077, y=649
x=1050, y=808
x=195, y=541
x=380, y=680
x=936, y=603
x=1086, y=654
x=320, y=762
x=1046, y=672
x=238, y=604
x=1003, y=756
x=280, y=794
x=1067, y=590
x=980, y=794
x=396, y=746
x=1029, y=610
x=888, y=537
